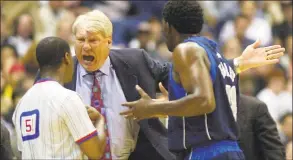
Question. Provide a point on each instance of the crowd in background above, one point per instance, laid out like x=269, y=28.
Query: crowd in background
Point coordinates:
x=137, y=24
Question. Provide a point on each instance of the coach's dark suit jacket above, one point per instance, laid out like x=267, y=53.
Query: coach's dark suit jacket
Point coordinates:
x=132, y=67
x=259, y=138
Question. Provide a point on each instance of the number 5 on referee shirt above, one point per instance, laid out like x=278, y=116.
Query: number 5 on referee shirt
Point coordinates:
x=29, y=124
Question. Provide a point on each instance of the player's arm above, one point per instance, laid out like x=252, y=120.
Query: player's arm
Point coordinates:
x=192, y=66
x=90, y=139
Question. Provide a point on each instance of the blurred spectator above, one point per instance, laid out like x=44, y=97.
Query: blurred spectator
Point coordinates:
x=16, y=73
x=286, y=60
x=27, y=82
x=8, y=58
x=16, y=96
x=207, y=32
x=153, y=35
x=6, y=95
x=145, y=9
x=289, y=151
x=115, y=10
x=289, y=71
x=275, y=95
x=5, y=147
x=29, y=59
x=164, y=52
x=23, y=34
x=241, y=24
x=232, y=48
x=246, y=85
x=155, y=29
x=283, y=30
x=64, y=31
x=273, y=12
x=220, y=10
x=51, y=13
x=257, y=28
x=143, y=38
x=13, y=9
x=4, y=33
x=286, y=128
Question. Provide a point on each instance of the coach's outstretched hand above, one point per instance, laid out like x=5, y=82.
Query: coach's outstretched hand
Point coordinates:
x=254, y=56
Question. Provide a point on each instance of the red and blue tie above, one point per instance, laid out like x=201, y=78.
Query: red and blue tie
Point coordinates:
x=97, y=102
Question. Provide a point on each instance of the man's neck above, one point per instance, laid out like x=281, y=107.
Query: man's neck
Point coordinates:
x=182, y=37
x=52, y=76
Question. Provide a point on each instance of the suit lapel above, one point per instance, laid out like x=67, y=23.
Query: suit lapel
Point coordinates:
x=72, y=85
x=126, y=76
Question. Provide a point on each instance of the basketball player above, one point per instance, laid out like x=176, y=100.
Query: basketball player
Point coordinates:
x=51, y=121
x=203, y=90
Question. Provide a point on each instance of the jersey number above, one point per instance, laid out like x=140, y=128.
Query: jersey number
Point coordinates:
x=29, y=125
x=231, y=93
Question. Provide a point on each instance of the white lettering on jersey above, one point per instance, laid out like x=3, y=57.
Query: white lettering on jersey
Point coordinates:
x=226, y=71
x=219, y=55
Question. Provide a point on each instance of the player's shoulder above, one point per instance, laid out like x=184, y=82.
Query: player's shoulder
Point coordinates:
x=189, y=49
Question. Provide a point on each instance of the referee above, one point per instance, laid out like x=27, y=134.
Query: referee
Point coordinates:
x=51, y=121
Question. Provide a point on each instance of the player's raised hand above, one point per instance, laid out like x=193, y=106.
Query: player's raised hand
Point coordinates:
x=138, y=109
x=254, y=56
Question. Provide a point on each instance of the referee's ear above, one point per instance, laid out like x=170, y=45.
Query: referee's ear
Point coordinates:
x=67, y=58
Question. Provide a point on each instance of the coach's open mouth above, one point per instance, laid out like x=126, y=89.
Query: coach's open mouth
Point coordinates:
x=88, y=59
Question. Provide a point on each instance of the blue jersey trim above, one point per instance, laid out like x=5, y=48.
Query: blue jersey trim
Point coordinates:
x=213, y=67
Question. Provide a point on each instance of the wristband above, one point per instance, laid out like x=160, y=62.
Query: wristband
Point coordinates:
x=236, y=66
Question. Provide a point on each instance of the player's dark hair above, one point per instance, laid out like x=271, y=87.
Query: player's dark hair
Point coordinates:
x=50, y=52
x=185, y=16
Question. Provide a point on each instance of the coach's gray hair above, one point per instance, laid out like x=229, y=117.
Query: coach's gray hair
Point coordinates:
x=94, y=21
